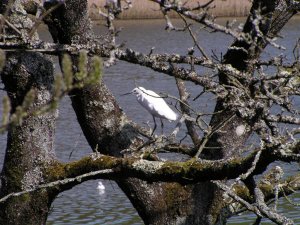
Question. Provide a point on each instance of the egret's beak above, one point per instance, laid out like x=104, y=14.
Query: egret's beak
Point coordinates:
x=126, y=94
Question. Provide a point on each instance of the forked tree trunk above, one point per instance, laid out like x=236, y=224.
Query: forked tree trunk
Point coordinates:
x=107, y=128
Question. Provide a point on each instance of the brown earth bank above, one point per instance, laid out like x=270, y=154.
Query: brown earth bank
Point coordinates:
x=145, y=9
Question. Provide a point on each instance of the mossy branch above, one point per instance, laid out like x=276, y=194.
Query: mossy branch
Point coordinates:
x=95, y=166
x=191, y=171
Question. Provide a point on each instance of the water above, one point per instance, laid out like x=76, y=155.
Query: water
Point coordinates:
x=84, y=204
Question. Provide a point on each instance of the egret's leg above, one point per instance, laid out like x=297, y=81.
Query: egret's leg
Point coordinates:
x=154, y=125
x=162, y=126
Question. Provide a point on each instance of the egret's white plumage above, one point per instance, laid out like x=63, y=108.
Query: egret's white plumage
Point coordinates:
x=154, y=104
x=101, y=188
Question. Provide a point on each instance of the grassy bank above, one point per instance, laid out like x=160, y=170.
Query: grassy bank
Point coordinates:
x=145, y=9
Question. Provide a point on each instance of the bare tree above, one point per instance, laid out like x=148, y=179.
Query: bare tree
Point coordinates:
x=219, y=175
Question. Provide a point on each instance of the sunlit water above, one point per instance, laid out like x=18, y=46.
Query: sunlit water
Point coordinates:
x=85, y=204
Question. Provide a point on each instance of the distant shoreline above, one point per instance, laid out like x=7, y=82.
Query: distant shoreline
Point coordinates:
x=145, y=9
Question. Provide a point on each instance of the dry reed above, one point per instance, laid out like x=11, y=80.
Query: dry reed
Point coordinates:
x=145, y=9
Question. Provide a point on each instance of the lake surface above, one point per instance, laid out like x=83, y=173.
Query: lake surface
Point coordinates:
x=85, y=204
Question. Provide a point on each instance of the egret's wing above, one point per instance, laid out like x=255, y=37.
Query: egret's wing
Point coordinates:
x=159, y=107
x=151, y=94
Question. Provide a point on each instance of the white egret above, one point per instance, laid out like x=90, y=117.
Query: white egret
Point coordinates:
x=154, y=104
x=101, y=188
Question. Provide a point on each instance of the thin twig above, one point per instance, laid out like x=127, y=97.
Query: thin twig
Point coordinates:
x=78, y=179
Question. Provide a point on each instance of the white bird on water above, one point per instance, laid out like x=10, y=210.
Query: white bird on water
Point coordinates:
x=101, y=188
x=154, y=104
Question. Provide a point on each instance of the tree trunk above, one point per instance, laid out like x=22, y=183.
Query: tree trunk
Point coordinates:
x=106, y=127
x=29, y=147
x=30, y=144
x=227, y=142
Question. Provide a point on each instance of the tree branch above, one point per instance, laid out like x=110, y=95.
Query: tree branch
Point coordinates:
x=191, y=171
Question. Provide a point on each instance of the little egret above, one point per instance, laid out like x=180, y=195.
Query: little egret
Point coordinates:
x=154, y=104
x=101, y=188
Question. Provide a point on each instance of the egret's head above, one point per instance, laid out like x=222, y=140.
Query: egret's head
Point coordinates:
x=138, y=91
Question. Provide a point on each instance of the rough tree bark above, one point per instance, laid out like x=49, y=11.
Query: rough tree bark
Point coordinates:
x=226, y=142
x=108, y=130
x=105, y=126
x=29, y=147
